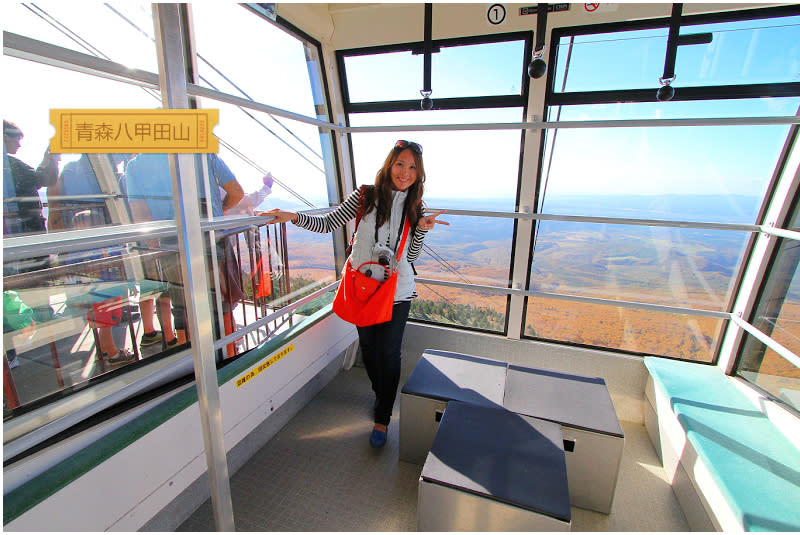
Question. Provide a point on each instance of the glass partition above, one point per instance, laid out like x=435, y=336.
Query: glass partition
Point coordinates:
x=264, y=63
x=657, y=265
x=740, y=52
x=120, y=31
x=679, y=176
x=642, y=331
x=278, y=162
x=777, y=315
x=456, y=71
x=465, y=170
x=92, y=281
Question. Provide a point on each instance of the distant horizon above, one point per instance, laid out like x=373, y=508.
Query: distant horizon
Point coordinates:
x=595, y=195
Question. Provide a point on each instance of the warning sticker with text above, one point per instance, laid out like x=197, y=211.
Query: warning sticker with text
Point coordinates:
x=264, y=365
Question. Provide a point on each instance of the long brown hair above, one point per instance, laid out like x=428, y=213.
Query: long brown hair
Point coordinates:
x=383, y=190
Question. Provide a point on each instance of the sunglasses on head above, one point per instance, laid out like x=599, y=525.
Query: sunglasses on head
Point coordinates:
x=403, y=144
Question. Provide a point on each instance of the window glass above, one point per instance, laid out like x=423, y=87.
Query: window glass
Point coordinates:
x=483, y=311
x=71, y=317
x=478, y=70
x=40, y=88
x=711, y=173
x=767, y=369
x=374, y=78
x=485, y=69
x=777, y=315
x=463, y=168
x=739, y=53
x=251, y=148
x=120, y=31
x=76, y=315
x=627, y=329
x=262, y=63
x=715, y=174
x=276, y=171
x=467, y=170
x=629, y=60
x=659, y=265
x=277, y=161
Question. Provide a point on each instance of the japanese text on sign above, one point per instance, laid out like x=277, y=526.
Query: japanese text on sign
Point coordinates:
x=264, y=365
x=166, y=131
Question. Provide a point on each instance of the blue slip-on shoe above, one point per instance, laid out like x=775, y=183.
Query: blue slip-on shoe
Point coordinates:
x=377, y=439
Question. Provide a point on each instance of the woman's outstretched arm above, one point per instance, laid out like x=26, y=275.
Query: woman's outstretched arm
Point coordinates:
x=319, y=223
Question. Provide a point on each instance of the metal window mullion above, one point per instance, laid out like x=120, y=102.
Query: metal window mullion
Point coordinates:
x=212, y=246
x=768, y=341
x=781, y=232
x=200, y=91
x=19, y=247
x=22, y=47
x=609, y=123
x=528, y=185
x=786, y=189
x=325, y=104
x=172, y=68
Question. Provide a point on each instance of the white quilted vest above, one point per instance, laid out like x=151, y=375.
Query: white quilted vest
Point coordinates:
x=364, y=244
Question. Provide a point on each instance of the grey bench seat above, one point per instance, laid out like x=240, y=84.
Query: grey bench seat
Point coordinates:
x=490, y=469
x=582, y=406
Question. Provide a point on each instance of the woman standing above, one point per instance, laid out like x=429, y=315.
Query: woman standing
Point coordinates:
x=395, y=197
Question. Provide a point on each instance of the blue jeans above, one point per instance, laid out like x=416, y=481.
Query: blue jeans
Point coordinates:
x=380, y=349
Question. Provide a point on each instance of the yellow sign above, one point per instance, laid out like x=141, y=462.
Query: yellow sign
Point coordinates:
x=134, y=131
x=263, y=366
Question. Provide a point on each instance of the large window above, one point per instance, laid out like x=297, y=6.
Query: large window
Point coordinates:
x=466, y=170
x=75, y=314
x=683, y=177
x=739, y=53
x=114, y=310
x=256, y=143
x=119, y=31
x=456, y=71
x=777, y=315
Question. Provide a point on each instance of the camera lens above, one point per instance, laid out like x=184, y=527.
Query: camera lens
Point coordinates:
x=383, y=260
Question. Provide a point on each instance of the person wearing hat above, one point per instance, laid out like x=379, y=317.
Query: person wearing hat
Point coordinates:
x=23, y=182
x=22, y=209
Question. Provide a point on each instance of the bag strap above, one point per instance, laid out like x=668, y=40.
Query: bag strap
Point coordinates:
x=359, y=213
x=403, y=241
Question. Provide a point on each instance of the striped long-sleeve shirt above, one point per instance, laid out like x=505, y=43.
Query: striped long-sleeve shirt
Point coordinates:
x=344, y=213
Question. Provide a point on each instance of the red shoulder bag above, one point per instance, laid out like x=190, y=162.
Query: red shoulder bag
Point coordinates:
x=362, y=300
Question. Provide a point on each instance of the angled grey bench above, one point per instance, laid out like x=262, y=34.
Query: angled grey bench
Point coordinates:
x=593, y=437
x=490, y=469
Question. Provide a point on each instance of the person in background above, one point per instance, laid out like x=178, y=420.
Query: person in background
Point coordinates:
x=149, y=185
x=251, y=201
x=396, y=196
x=79, y=178
x=22, y=181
